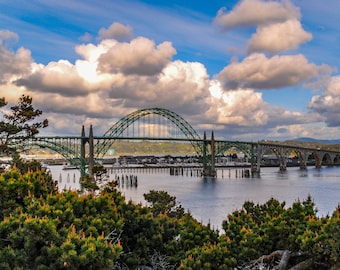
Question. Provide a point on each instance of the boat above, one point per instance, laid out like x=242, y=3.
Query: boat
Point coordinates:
x=69, y=167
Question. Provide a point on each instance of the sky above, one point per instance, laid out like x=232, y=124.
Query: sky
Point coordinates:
x=248, y=70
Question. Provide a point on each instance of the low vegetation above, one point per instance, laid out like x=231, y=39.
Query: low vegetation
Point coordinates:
x=43, y=228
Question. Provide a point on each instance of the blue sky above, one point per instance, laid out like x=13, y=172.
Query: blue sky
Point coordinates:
x=250, y=69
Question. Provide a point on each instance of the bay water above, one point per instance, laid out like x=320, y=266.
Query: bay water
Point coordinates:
x=210, y=200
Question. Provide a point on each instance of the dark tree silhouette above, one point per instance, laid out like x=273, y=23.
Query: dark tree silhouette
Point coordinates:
x=18, y=124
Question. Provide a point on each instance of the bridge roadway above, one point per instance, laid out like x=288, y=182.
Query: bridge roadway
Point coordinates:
x=72, y=148
x=320, y=156
x=86, y=151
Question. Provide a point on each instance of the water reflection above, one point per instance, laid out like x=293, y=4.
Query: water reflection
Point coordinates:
x=282, y=175
x=212, y=199
x=303, y=173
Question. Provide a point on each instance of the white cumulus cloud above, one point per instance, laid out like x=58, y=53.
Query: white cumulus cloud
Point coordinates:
x=255, y=13
x=278, y=37
x=242, y=107
x=57, y=77
x=260, y=72
x=116, y=31
x=141, y=56
x=328, y=103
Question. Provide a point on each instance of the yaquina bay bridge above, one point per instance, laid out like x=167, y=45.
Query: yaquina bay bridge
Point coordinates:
x=157, y=124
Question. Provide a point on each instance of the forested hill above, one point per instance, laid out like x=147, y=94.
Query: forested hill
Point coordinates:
x=311, y=140
x=333, y=145
x=148, y=147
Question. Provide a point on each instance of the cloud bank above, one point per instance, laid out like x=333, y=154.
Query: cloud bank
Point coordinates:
x=120, y=73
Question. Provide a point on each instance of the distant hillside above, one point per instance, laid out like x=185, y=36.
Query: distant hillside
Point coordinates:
x=331, y=145
x=305, y=139
x=147, y=147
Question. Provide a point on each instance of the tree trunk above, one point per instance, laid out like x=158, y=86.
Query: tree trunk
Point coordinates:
x=304, y=265
x=284, y=260
x=279, y=260
x=268, y=258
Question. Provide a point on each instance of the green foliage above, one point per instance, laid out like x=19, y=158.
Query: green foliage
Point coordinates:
x=41, y=228
x=163, y=203
x=16, y=187
x=24, y=166
x=17, y=125
x=321, y=238
x=261, y=229
x=100, y=172
x=209, y=256
x=88, y=183
x=44, y=229
x=92, y=184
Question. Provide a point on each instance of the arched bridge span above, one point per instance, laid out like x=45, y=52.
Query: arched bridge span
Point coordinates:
x=244, y=147
x=67, y=146
x=283, y=152
x=84, y=151
x=117, y=130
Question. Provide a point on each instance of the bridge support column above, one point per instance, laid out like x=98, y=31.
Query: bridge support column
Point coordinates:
x=91, y=152
x=332, y=159
x=282, y=155
x=212, y=167
x=283, y=167
x=318, y=162
x=303, y=157
x=209, y=165
x=283, y=162
x=256, y=159
x=318, y=159
x=82, y=151
x=205, y=165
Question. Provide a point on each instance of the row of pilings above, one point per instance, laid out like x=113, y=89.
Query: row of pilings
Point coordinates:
x=225, y=172
x=68, y=178
x=127, y=176
x=123, y=180
x=126, y=181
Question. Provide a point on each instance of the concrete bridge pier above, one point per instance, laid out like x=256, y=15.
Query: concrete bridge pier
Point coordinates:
x=282, y=156
x=303, y=157
x=332, y=159
x=282, y=160
x=256, y=162
x=326, y=157
x=318, y=162
x=283, y=167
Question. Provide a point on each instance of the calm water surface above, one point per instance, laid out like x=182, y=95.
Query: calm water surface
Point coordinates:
x=211, y=200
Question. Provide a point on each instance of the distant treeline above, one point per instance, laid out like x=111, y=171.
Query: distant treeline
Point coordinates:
x=148, y=147
x=152, y=147
x=310, y=144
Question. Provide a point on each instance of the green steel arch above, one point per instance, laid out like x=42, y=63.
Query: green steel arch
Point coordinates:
x=70, y=153
x=118, y=128
x=226, y=145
